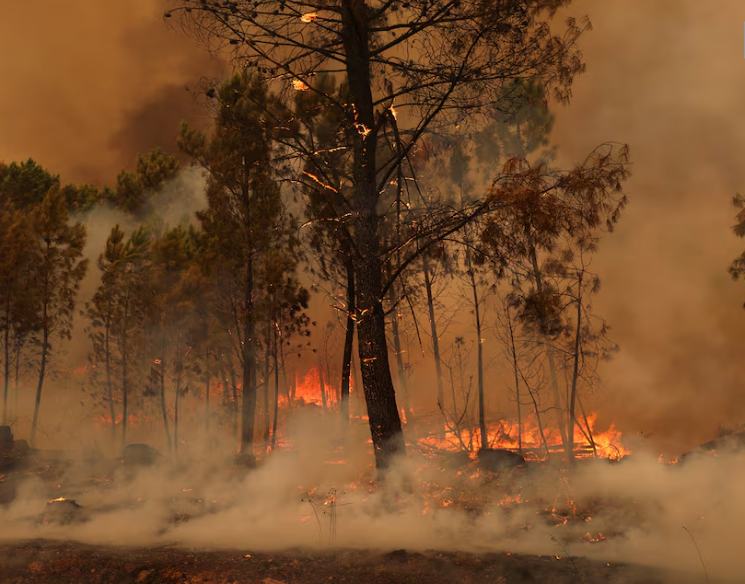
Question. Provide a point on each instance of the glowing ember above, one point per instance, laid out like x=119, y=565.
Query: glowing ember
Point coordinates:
x=309, y=16
x=298, y=85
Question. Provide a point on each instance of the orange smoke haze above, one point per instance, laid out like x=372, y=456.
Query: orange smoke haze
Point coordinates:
x=668, y=79
x=87, y=85
x=98, y=82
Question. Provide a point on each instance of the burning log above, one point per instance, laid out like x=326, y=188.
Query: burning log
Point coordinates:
x=140, y=455
x=494, y=459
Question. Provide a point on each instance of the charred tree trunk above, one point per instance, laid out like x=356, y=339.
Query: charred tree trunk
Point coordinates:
x=433, y=330
x=125, y=384
x=234, y=393
x=346, y=365
x=385, y=423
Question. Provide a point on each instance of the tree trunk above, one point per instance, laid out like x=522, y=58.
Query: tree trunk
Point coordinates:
x=163, y=408
x=207, y=400
x=248, y=410
x=112, y=413
x=276, y=390
x=267, y=372
x=6, y=346
x=480, y=351
x=175, y=410
x=402, y=377
x=19, y=346
x=42, y=371
x=346, y=365
x=550, y=354
x=433, y=330
x=571, y=421
x=517, y=381
x=321, y=385
x=234, y=392
x=125, y=384
x=385, y=423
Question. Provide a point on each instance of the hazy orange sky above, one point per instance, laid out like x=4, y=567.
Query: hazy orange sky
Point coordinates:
x=87, y=84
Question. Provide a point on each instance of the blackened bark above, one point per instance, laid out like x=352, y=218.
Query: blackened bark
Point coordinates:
x=385, y=423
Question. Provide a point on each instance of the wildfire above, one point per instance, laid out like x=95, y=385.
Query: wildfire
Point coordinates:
x=505, y=434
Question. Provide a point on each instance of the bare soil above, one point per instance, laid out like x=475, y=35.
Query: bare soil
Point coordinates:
x=55, y=562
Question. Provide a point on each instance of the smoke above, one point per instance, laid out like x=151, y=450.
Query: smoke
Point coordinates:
x=663, y=78
x=94, y=84
x=639, y=506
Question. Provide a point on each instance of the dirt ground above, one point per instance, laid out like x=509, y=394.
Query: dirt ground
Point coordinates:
x=55, y=562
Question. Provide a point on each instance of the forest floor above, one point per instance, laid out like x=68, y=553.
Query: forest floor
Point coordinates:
x=50, y=562
x=40, y=559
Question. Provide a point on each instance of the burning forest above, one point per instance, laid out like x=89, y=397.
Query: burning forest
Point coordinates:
x=345, y=322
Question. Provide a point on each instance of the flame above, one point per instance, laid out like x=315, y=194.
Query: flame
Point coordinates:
x=504, y=434
x=309, y=16
x=308, y=391
x=58, y=499
x=299, y=85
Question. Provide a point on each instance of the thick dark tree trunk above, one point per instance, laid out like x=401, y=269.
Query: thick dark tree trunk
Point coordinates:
x=346, y=365
x=433, y=331
x=385, y=423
